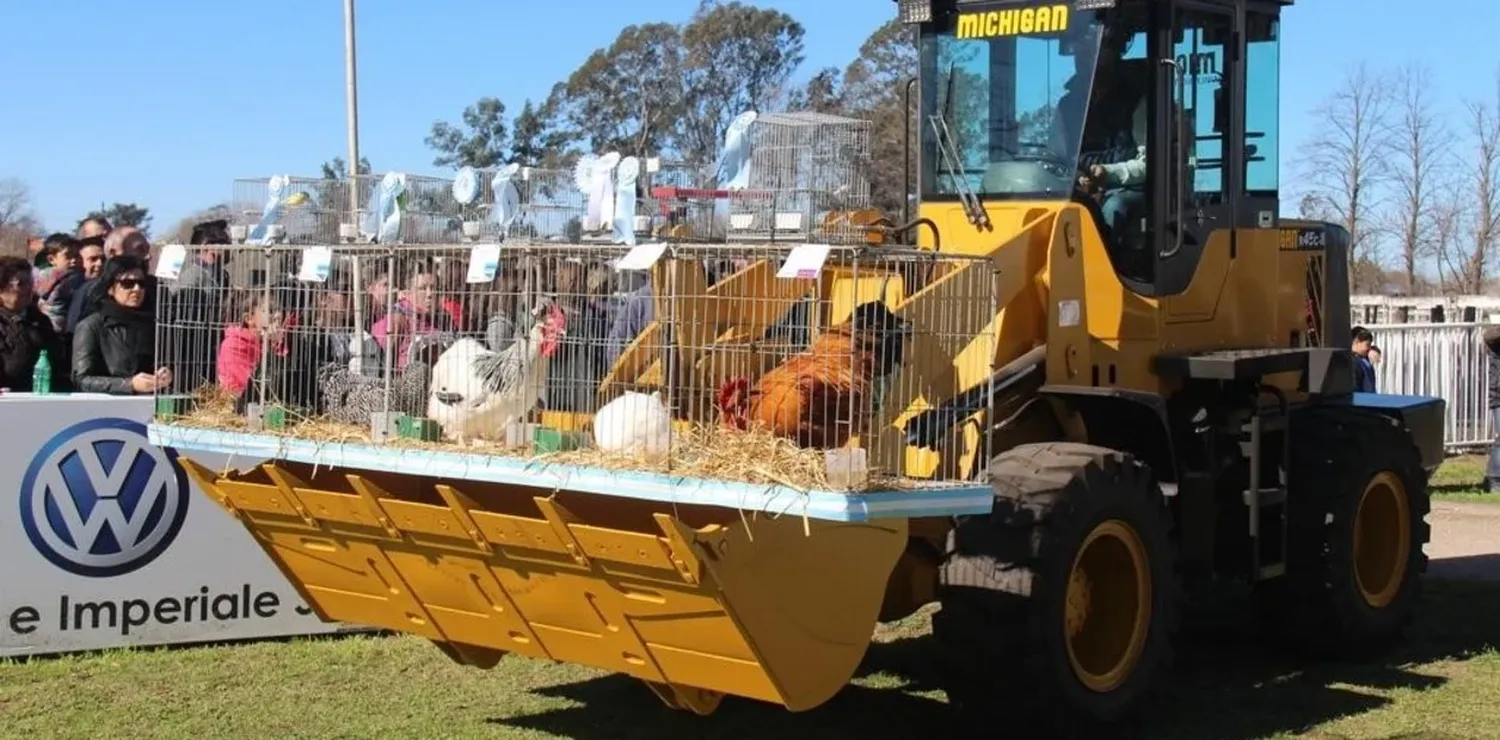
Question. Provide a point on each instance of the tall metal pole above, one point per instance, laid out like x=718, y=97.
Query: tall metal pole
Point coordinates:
x=351, y=177
x=351, y=78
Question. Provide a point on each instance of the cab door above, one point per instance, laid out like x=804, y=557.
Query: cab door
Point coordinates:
x=1198, y=110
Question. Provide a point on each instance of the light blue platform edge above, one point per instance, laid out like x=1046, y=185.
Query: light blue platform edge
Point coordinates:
x=940, y=499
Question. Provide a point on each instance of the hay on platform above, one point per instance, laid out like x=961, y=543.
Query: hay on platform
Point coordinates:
x=707, y=452
x=212, y=408
x=326, y=431
x=699, y=451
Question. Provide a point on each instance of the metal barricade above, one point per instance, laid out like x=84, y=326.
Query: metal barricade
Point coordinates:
x=1449, y=361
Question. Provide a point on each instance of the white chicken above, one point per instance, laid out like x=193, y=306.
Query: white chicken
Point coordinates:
x=634, y=424
x=477, y=393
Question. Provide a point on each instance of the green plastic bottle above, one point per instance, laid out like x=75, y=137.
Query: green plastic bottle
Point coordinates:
x=41, y=375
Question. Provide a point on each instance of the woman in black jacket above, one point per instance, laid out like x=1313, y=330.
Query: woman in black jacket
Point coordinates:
x=25, y=332
x=114, y=349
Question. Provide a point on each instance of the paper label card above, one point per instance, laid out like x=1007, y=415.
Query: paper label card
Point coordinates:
x=641, y=257
x=169, y=263
x=484, y=263
x=317, y=264
x=805, y=262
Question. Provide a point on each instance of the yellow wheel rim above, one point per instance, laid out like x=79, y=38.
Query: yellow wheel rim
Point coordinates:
x=1382, y=540
x=1108, y=606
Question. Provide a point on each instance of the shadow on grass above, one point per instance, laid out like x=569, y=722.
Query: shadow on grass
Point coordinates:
x=1467, y=568
x=1229, y=684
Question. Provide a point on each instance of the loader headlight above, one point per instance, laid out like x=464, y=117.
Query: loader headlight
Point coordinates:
x=915, y=11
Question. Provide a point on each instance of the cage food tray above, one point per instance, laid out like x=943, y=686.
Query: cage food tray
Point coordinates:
x=937, y=499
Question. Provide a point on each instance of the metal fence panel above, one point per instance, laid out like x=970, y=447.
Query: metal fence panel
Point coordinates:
x=1445, y=360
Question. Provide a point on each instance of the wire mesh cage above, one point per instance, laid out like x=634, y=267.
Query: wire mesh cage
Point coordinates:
x=428, y=212
x=545, y=206
x=510, y=203
x=668, y=173
x=713, y=361
x=816, y=375
x=553, y=208
x=299, y=210
x=683, y=202
x=808, y=179
x=309, y=211
x=475, y=203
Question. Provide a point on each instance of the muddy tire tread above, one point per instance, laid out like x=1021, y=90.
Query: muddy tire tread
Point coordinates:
x=997, y=584
x=1313, y=610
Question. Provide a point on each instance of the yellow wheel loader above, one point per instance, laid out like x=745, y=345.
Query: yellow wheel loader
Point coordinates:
x=1170, y=403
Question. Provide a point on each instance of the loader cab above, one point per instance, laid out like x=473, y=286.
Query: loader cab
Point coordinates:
x=1021, y=100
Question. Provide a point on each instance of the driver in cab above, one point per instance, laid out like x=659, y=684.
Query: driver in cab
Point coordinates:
x=1113, y=138
x=1122, y=182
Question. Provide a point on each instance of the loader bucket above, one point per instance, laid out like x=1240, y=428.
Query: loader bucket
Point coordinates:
x=697, y=601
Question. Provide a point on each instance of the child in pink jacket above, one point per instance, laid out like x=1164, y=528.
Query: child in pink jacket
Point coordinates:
x=240, y=352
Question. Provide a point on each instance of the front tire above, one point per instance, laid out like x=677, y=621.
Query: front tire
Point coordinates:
x=1357, y=509
x=1062, y=602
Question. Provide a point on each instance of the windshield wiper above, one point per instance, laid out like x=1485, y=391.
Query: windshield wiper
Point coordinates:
x=948, y=151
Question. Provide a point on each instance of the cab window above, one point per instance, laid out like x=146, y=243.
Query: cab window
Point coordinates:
x=1262, y=108
x=1203, y=96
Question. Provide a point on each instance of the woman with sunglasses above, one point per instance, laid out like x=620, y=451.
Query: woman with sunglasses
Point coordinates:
x=114, y=349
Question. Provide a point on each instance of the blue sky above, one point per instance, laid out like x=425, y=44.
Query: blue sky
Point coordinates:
x=165, y=102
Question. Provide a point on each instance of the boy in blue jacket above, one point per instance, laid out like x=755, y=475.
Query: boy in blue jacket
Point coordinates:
x=1364, y=370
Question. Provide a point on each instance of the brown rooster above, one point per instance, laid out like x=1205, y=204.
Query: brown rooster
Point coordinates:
x=820, y=397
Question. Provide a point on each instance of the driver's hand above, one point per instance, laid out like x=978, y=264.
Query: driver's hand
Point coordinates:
x=1096, y=172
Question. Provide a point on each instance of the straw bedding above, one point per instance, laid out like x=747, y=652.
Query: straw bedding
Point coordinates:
x=703, y=451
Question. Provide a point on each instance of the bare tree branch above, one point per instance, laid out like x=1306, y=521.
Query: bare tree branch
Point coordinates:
x=1447, y=223
x=1346, y=164
x=1483, y=184
x=18, y=221
x=1419, y=146
x=15, y=203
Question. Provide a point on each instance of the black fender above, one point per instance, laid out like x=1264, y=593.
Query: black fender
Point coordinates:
x=1123, y=420
x=1421, y=417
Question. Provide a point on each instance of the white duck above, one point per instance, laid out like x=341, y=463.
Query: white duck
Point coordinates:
x=634, y=424
x=477, y=393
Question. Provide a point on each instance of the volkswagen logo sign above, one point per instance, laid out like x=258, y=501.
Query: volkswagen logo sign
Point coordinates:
x=99, y=500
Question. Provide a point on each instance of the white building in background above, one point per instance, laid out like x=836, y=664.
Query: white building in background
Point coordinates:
x=1373, y=310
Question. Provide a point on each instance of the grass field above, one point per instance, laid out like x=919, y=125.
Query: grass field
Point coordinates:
x=1462, y=479
x=1443, y=682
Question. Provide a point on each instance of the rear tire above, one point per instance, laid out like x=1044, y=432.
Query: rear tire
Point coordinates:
x=1357, y=508
x=1062, y=602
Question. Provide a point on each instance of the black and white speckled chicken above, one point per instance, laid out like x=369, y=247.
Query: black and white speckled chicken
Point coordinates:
x=351, y=398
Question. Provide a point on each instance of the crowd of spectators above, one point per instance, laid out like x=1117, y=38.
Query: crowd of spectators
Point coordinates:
x=86, y=301
x=370, y=329
x=89, y=301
